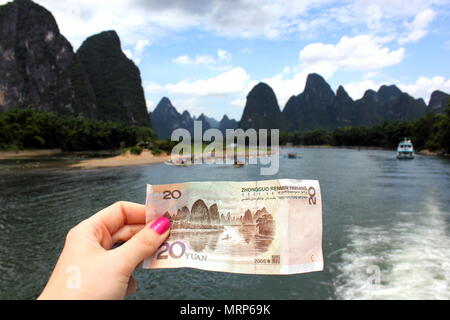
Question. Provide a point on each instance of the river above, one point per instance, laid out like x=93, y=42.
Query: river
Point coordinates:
x=386, y=232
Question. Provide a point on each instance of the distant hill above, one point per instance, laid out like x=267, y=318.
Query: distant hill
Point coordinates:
x=38, y=67
x=313, y=108
x=343, y=109
x=227, y=123
x=208, y=122
x=387, y=104
x=40, y=70
x=115, y=78
x=439, y=102
x=166, y=118
x=261, y=109
x=318, y=107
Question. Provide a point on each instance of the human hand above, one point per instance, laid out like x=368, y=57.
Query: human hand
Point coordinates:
x=89, y=269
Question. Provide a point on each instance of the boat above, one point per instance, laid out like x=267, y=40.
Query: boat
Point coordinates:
x=237, y=164
x=292, y=156
x=179, y=164
x=405, y=149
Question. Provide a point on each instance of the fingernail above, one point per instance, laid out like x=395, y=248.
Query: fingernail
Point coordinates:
x=160, y=225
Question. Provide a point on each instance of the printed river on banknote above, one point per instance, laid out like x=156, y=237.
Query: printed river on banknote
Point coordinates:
x=258, y=227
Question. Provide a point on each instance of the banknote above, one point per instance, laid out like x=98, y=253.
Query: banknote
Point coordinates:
x=258, y=227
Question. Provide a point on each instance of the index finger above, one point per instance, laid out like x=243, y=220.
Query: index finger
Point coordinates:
x=120, y=214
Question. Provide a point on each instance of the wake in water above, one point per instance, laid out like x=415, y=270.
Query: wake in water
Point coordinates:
x=411, y=260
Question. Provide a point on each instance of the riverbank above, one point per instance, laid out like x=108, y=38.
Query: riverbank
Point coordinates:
x=48, y=158
x=424, y=152
x=28, y=159
x=328, y=146
x=110, y=159
x=123, y=160
x=28, y=154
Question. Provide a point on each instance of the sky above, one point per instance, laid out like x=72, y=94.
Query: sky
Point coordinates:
x=206, y=55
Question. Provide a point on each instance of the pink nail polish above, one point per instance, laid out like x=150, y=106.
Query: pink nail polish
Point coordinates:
x=160, y=225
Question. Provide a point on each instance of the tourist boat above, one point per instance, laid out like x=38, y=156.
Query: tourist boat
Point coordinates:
x=238, y=164
x=405, y=149
x=182, y=163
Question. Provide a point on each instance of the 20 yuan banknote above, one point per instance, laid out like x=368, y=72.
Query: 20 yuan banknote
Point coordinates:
x=258, y=227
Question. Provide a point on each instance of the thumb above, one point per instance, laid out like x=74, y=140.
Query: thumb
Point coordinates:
x=144, y=243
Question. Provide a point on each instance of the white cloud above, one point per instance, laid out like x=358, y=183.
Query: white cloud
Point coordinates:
x=421, y=88
x=191, y=104
x=241, y=18
x=374, y=15
x=371, y=74
x=362, y=52
x=221, y=67
x=150, y=105
x=154, y=20
x=128, y=53
x=284, y=87
x=418, y=28
x=153, y=87
x=424, y=86
x=223, y=55
x=83, y=18
x=356, y=89
x=287, y=70
x=204, y=59
x=138, y=51
x=140, y=45
x=238, y=103
x=184, y=59
x=226, y=83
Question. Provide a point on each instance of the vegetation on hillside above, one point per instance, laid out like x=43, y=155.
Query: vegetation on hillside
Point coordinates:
x=29, y=129
x=430, y=132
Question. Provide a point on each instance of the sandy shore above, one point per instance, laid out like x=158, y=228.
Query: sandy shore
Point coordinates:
x=426, y=152
x=121, y=161
x=91, y=159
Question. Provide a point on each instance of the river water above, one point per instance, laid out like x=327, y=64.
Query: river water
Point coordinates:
x=386, y=226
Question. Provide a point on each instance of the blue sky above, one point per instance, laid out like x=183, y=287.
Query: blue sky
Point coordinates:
x=205, y=55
